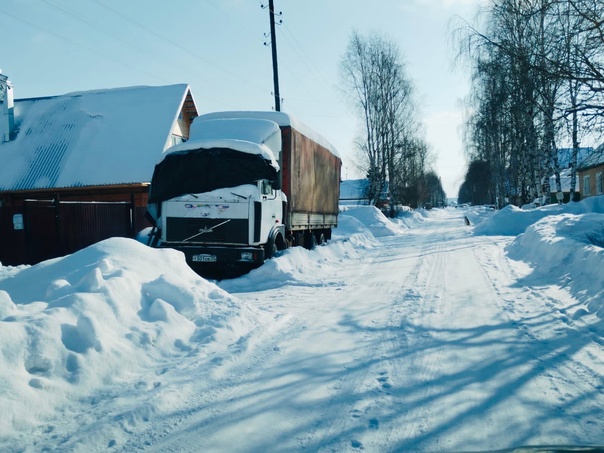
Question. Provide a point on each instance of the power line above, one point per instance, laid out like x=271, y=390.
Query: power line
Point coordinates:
x=133, y=44
x=71, y=41
x=177, y=45
x=306, y=60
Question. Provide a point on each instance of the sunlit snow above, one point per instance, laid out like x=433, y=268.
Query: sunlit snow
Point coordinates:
x=412, y=334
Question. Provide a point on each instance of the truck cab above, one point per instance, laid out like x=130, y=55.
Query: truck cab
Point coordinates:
x=217, y=197
x=246, y=185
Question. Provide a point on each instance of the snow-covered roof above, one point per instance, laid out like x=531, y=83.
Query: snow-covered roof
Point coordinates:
x=564, y=181
x=246, y=135
x=565, y=156
x=595, y=159
x=100, y=137
x=282, y=119
x=354, y=189
x=357, y=189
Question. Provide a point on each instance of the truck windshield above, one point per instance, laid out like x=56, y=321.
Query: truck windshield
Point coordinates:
x=204, y=170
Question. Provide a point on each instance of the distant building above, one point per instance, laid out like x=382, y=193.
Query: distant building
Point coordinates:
x=584, y=155
x=353, y=192
x=590, y=174
x=565, y=178
x=565, y=156
x=65, y=159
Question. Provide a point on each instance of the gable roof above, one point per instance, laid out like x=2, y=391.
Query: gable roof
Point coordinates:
x=565, y=156
x=595, y=159
x=354, y=189
x=90, y=138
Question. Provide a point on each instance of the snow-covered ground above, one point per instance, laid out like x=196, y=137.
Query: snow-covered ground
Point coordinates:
x=418, y=334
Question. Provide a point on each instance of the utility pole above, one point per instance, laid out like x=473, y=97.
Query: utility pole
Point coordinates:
x=271, y=10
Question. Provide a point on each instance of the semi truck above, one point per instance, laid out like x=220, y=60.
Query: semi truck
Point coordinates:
x=243, y=187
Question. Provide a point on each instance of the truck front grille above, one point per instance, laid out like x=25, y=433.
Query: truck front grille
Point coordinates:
x=179, y=229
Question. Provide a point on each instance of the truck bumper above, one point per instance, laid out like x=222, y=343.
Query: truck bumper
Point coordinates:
x=220, y=255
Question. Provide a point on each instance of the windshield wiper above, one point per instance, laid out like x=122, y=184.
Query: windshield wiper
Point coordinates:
x=240, y=196
x=206, y=230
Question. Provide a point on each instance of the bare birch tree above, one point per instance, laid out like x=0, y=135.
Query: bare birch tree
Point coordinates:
x=538, y=64
x=374, y=76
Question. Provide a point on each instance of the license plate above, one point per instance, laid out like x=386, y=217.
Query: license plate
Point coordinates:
x=204, y=258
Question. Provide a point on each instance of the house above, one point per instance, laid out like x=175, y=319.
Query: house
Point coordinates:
x=353, y=192
x=565, y=165
x=590, y=174
x=565, y=182
x=85, y=159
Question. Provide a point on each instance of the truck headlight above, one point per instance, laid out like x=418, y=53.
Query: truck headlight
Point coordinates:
x=247, y=256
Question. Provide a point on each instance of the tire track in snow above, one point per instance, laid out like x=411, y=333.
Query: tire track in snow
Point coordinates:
x=366, y=422
x=429, y=296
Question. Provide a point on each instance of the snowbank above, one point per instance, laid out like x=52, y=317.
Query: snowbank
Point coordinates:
x=372, y=219
x=411, y=218
x=567, y=249
x=102, y=316
x=512, y=221
x=562, y=243
x=356, y=231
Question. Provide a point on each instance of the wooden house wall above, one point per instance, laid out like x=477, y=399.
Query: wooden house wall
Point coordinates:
x=591, y=172
x=188, y=112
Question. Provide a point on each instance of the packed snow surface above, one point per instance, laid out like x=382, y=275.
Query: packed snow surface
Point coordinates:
x=412, y=334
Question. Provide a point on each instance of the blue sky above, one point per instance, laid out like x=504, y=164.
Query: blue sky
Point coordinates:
x=217, y=47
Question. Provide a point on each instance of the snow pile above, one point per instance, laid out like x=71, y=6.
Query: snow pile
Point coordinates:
x=354, y=234
x=411, y=218
x=562, y=243
x=567, y=249
x=103, y=316
x=372, y=219
x=512, y=221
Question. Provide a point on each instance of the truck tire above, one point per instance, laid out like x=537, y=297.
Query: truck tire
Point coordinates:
x=270, y=248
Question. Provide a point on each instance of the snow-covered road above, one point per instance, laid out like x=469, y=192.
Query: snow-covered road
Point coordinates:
x=415, y=335
x=432, y=340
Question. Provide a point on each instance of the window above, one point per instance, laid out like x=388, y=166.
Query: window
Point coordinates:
x=599, y=184
x=586, y=191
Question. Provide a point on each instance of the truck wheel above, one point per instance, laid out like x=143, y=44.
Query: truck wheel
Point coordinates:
x=270, y=249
